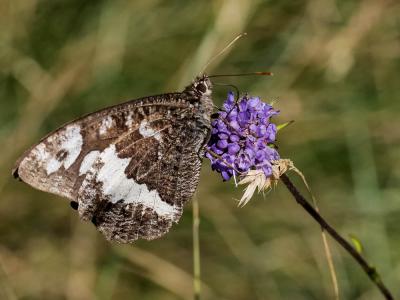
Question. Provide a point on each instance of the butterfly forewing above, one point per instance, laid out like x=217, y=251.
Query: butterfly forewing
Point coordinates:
x=130, y=167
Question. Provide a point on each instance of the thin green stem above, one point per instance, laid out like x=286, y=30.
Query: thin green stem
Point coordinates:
x=196, y=250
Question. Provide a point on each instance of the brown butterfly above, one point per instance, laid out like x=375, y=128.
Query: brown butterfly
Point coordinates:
x=128, y=168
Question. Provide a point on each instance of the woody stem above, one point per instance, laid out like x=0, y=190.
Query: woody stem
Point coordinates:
x=370, y=271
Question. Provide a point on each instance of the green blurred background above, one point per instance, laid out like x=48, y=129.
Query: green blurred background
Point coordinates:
x=336, y=66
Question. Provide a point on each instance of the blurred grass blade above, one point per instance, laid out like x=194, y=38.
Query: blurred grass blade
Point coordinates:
x=196, y=250
x=6, y=290
x=163, y=273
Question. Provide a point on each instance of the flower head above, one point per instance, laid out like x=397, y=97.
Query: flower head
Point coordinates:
x=242, y=137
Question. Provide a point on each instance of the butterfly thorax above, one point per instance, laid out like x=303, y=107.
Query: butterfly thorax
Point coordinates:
x=199, y=94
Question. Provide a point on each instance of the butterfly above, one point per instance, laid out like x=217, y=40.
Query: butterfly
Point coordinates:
x=129, y=168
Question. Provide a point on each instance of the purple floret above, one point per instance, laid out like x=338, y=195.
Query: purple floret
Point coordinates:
x=241, y=137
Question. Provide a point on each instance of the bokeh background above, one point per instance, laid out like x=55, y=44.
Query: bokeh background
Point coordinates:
x=336, y=66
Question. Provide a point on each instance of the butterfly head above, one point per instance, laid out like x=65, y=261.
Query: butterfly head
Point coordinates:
x=200, y=87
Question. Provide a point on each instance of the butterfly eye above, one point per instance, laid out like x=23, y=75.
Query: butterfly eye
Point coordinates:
x=201, y=88
x=74, y=205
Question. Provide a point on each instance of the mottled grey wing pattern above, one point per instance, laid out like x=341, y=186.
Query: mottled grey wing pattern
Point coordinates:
x=130, y=167
x=137, y=186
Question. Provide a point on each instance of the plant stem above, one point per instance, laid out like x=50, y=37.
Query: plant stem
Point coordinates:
x=196, y=250
x=370, y=271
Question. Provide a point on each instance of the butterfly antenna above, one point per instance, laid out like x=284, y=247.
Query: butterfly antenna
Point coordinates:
x=223, y=51
x=243, y=74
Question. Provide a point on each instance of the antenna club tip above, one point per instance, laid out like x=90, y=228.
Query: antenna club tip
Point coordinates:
x=265, y=73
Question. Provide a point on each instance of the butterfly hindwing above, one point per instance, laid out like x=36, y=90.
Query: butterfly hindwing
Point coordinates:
x=145, y=187
x=130, y=167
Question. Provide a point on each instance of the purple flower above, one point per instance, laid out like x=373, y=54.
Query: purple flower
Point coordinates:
x=240, y=137
x=233, y=148
x=230, y=102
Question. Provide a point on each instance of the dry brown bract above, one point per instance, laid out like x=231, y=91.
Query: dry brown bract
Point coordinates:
x=256, y=179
